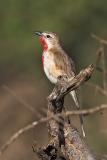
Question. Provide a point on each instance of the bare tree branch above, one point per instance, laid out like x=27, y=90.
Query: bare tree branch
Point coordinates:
x=45, y=119
x=101, y=40
x=65, y=85
x=101, y=58
x=20, y=132
x=19, y=99
x=61, y=89
x=87, y=111
x=98, y=88
x=64, y=139
x=101, y=70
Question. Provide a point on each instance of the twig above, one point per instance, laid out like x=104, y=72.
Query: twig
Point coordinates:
x=98, y=88
x=101, y=70
x=20, y=132
x=101, y=57
x=58, y=94
x=101, y=40
x=55, y=106
x=87, y=111
x=19, y=99
x=45, y=119
x=98, y=59
x=98, y=55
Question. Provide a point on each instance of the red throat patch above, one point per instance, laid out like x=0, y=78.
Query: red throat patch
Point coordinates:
x=43, y=42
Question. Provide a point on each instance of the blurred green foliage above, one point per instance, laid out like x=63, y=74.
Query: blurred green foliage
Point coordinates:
x=73, y=20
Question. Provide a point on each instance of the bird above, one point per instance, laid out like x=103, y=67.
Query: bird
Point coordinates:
x=56, y=62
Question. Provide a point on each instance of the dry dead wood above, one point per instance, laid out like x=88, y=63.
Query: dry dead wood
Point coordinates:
x=65, y=141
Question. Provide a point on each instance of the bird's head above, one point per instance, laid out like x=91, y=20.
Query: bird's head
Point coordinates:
x=48, y=39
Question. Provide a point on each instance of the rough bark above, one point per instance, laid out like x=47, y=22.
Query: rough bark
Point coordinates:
x=65, y=142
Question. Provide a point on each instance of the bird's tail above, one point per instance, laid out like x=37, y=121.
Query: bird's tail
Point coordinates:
x=73, y=93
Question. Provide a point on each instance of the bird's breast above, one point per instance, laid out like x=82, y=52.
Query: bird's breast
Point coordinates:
x=47, y=60
x=49, y=65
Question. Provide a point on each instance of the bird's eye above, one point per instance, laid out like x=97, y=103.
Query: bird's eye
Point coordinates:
x=48, y=36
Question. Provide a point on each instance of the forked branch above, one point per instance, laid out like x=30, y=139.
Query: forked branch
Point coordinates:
x=65, y=141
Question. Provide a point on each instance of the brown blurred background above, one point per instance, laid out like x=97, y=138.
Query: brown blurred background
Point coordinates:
x=21, y=73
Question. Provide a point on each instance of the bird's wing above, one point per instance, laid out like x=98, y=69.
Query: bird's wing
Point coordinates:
x=73, y=65
x=63, y=62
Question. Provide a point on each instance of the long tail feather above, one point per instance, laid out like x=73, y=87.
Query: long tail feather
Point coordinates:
x=73, y=93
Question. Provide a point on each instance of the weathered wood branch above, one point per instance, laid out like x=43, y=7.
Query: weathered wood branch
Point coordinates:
x=65, y=85
x=65, y=141
x=32, y=125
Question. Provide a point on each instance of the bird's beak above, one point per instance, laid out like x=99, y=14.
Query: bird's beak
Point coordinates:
x=38, y=33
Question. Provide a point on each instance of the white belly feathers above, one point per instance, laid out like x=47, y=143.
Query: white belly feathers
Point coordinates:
x=48, y=64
